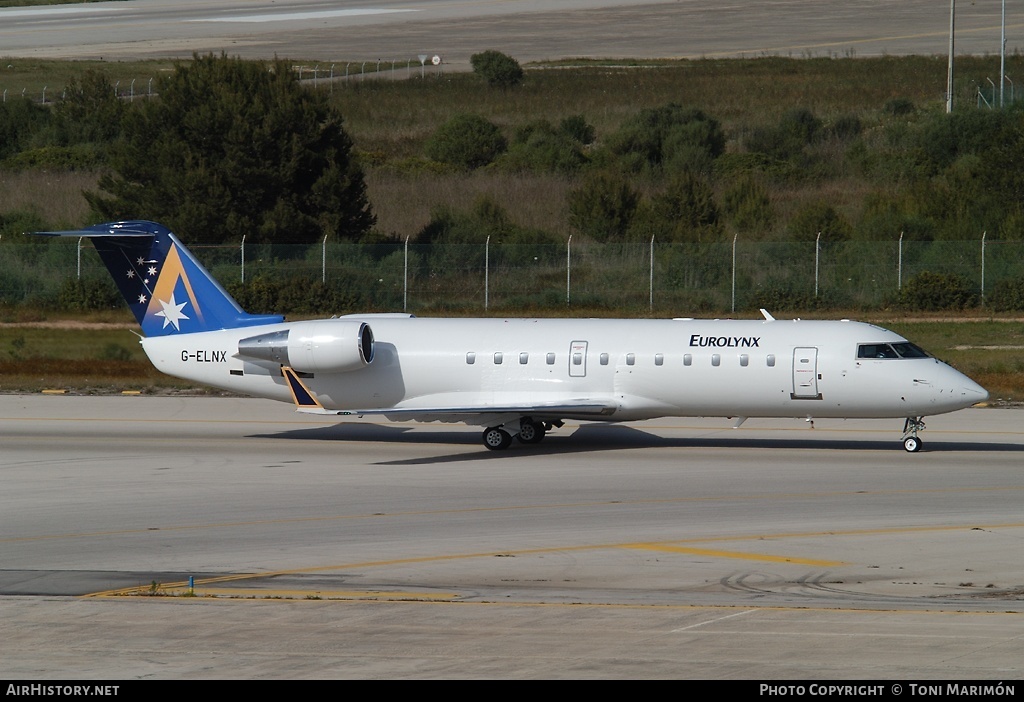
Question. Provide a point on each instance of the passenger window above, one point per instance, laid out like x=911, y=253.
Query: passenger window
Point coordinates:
x=577, y=359
x=659, y=359
x=604, y=359
x=630, y=359
x=771, y=360
x=497, y=358
x=524, y=358
x=716, y=359
x=687, y=359
x=470, y=358
x=744, y=360
x=551, y=359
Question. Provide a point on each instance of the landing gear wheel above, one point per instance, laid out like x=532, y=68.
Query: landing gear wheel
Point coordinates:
x=496, y=438
x=531, y=432
x=912, y=444
x=910, y=441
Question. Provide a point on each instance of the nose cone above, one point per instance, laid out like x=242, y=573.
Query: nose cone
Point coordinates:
x=960, y=391
x=973, y=392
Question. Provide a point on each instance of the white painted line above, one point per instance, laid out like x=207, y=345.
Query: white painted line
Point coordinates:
x=286, y=16
x=712, y=621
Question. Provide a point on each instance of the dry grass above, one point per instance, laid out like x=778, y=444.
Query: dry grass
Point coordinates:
x=56, y=197
x=403, y=204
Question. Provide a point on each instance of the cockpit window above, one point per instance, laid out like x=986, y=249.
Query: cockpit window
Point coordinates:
x=909, y=350
x=904, y=349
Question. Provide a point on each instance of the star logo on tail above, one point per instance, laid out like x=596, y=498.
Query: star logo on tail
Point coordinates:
x=171, y=312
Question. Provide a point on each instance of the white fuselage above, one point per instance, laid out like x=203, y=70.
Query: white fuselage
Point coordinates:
x=639, y=368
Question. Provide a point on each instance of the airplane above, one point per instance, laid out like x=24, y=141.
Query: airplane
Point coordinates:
x=519, y=378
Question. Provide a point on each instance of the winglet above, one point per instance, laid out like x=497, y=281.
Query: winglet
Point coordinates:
x=303, y=397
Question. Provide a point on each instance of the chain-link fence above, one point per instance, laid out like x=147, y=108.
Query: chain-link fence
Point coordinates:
x=676, y=278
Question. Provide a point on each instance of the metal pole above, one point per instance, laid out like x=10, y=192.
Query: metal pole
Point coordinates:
x=899, y=266
x=323, y=262
x=487, y=270
x=651, y=301
x=983, y=234
x=243, y=258
x=1002, y=58
x=949, y=71
x=80, y=257
x=734, y=237
x=568, y=268
x=817, y=260
x=405, y=278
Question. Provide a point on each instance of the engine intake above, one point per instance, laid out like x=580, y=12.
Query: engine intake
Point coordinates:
x=328, y=346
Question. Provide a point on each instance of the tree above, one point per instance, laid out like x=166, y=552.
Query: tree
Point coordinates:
x=498, y=69
x=89, y=111
x=235, y=148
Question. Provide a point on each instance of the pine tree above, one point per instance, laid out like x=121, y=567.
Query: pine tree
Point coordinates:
x=235, y=148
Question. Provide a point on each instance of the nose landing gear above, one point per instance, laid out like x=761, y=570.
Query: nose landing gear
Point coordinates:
x=911, y=443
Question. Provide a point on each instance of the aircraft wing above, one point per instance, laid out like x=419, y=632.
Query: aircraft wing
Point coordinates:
x=307, y=403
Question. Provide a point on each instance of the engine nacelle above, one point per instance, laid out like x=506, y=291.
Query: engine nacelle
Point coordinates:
x=327, y=346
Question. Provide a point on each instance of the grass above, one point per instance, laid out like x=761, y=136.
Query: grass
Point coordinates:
x=89, y=360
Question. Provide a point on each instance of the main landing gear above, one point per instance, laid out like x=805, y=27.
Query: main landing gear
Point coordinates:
x=910, y=441
x=530, y=432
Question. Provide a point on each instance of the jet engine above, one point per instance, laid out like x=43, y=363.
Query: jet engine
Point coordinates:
x=327, y=346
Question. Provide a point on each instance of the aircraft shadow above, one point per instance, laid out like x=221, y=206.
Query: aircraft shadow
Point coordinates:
x=596, y=437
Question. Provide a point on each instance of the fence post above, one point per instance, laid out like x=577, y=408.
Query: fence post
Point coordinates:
x=983, y=234
x=323, y=262
x=734, y=237
x=651, y=284
x=568, y=269
x=80, y=257
x=487, y=270
x=243, y=258
x=817, y=258
x=899, y=266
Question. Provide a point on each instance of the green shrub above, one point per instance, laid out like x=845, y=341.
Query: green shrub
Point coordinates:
x=1007, y=295
x=576, y=128
x=669, y=136
x=540, y=147
x=686, y=210
x=498, y=69
x=846, y=127
x=604, y=206
x=899, y=106
x=938, y=291
x=819, y=218
x=467, y=141
x=747, y=204
x=87, y=294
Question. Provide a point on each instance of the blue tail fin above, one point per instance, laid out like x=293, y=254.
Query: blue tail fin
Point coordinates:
x=167, y=289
